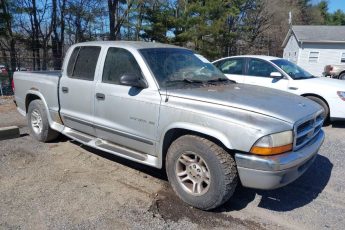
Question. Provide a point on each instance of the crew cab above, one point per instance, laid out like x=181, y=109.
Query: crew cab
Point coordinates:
x=281, y=74
x=167, y=107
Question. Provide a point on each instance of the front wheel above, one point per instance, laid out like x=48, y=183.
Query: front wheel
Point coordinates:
x=38, y=122
x=342, y=76
x=201, y=172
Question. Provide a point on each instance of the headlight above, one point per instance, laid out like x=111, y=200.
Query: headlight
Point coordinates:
x=273, y=144
x=341, y=94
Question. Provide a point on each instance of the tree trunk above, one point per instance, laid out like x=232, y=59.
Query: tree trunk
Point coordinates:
x=36, y=35
x=45, y=54
x=58, y=40
x=10, y=36
x=139, y=21
x=112, y=5
x=13, y=56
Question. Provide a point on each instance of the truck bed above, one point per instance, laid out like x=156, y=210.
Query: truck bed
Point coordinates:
x=38, y=83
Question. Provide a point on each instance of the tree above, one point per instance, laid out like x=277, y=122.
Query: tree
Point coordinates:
x=9, y=41
x=118, y=12
x=337, y=18
x=323, y=9
x=58, y=31
x=159, y=19
x=82, y=19
x=217, y=28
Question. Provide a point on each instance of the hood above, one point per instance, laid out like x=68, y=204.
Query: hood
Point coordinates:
x=326, y=83
x=270, y=102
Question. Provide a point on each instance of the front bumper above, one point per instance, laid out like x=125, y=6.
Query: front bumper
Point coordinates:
x=270, y=172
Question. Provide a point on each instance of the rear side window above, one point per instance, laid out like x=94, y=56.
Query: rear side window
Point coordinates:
x=71, y=61
x=85, y=63
x=117, y=63
x=232, y=66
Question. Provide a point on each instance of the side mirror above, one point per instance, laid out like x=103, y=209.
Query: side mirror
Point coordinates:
x=134, y=80
x=276, y=75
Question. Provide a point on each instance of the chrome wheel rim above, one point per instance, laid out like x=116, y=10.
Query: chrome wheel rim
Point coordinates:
x=193, y=174
x=36, y=121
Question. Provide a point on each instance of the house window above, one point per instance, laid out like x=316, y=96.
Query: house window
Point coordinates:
x=313, y=57
x=342, y=60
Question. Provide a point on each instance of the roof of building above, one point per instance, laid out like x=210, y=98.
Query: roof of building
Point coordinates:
x=317, y=34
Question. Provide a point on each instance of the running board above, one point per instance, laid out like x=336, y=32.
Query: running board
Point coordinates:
x=112, y=148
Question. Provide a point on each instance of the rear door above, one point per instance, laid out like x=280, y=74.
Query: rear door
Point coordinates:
x=258, y=72
x=77, y=89
x=233, y=68
x=125, y=115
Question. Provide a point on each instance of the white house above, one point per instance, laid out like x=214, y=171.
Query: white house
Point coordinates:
x=313, y=47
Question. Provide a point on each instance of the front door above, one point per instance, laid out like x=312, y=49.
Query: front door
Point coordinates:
x=125, y=115
x=259, y=73
x=77, y=89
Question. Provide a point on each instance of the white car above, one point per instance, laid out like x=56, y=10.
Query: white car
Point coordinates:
x=278, y=73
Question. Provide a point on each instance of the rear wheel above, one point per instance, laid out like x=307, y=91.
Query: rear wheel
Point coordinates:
x=38, y=122
x=323, y=105
x=201, y=172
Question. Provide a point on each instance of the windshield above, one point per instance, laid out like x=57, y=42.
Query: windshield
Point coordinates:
x=293, y=70
x=173, y=66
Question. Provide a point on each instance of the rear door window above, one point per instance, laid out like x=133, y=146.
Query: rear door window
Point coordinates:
x=85, y=64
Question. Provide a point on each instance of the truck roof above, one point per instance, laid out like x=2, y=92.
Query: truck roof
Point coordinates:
x=131, y=44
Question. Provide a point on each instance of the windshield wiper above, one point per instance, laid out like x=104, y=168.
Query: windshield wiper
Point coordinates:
x=221, y=80
x=185, y=80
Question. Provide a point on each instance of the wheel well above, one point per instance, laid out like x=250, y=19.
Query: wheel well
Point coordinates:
x=318, y=96
x=173, y=134
x=315, y=95
x=29, y=98
x=341, y=73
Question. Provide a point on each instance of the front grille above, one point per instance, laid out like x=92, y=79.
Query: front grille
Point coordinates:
x=307, y=129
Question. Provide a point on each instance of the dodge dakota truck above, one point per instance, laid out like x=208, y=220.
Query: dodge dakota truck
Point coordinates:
x=168, y=107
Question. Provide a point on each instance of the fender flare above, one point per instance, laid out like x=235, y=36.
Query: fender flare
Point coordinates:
x=38, y=94
x=195, y=128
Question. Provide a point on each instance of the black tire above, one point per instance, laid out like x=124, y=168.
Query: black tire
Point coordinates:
x=323, y=105
x=221, y=167
x=46, y=134
x=342, y=76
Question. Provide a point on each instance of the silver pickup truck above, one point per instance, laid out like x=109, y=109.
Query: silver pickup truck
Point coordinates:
x=167, y=107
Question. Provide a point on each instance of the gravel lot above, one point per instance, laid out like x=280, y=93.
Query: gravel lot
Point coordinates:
x=65, y=185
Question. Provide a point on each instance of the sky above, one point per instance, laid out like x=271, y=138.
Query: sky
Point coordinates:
x=334, y=5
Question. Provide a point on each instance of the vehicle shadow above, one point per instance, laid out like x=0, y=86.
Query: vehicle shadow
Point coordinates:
x=338, y=124
x=295, y=195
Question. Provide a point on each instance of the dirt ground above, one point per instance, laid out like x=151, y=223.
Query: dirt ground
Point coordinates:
x=65, y=185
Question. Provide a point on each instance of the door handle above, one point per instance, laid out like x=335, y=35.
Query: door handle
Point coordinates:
x=64, y=89
x=100, y=96
x=293, y=88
